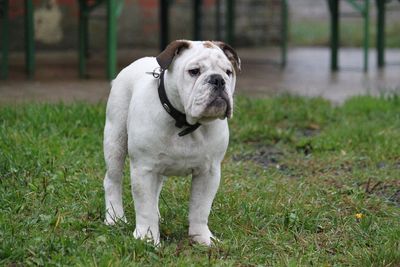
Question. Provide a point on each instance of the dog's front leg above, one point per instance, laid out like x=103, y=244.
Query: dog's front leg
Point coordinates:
x=204, y=187
x=146, y=188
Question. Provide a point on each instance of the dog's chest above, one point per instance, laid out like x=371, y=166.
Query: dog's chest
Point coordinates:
x=157, y=146
x=180, y=156
x=183, y=160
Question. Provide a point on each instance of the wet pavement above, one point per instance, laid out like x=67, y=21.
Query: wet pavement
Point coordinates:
x=307, y=74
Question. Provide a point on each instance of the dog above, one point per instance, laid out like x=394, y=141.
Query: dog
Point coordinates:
x=169, y=113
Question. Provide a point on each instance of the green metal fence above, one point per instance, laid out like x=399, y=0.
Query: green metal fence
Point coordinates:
x=114, y=8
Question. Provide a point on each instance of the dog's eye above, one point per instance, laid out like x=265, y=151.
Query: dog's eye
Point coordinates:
x=194, y=72
x=229, y=72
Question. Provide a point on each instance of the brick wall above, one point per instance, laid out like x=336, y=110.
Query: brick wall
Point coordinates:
x=257, y=23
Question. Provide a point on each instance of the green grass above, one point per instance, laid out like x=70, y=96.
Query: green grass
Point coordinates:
x=309, y=32
x=296, y=174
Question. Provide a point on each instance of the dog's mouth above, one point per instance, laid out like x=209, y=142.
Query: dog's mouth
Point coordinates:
x=218, y=107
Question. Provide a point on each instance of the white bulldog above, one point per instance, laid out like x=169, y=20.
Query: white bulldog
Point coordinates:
x=199, y=81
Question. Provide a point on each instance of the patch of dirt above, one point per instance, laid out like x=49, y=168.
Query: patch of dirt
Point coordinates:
x=397, y=165
x=266, y=156
x=389, y=190
x=309, y=132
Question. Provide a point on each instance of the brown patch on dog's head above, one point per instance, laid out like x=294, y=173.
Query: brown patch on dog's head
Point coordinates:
x=208, y=44
x=231, y=54
x=165, y=58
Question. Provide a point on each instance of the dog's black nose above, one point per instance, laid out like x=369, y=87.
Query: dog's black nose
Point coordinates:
x=217, y=80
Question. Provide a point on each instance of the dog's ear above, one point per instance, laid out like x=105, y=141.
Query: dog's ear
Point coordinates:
x=165, y=58
x=230, y=54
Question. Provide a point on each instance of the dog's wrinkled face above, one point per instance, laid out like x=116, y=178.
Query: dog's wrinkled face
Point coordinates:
x=204, y=74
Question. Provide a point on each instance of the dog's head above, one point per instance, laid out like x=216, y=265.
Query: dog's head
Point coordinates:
x=204, y=74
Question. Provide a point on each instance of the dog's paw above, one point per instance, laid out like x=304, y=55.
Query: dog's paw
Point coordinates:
x=148, y=234
x=110, y=220
x=202, y=235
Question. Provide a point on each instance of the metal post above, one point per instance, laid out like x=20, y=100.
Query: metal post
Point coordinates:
x=111, y=38
x=83, y=39
x=366, y=33
x=197, y=19
x=284, y=32
x=29, y=39
x=218, y=20
x=334, y=42
x=380, y=37
x=230, y=23
x=164, y=27
x=5, y=42
x=86, y=29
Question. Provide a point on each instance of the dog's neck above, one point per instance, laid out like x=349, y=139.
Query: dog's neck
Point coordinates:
x=172, y=92
x=179, y=116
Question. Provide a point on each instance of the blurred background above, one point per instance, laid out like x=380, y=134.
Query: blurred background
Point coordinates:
x=69, y=50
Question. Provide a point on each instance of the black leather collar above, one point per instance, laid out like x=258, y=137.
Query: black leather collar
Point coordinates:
x=179, y=117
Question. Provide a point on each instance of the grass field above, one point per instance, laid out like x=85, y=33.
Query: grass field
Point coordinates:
x=304, y=183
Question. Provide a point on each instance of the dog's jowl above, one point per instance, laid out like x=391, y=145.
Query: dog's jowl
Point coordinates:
x=169, y=114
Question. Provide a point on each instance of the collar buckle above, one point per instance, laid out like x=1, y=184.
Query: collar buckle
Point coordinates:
x=156, y=73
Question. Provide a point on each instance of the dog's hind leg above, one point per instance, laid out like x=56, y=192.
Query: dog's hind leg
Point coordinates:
x=115, y=150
